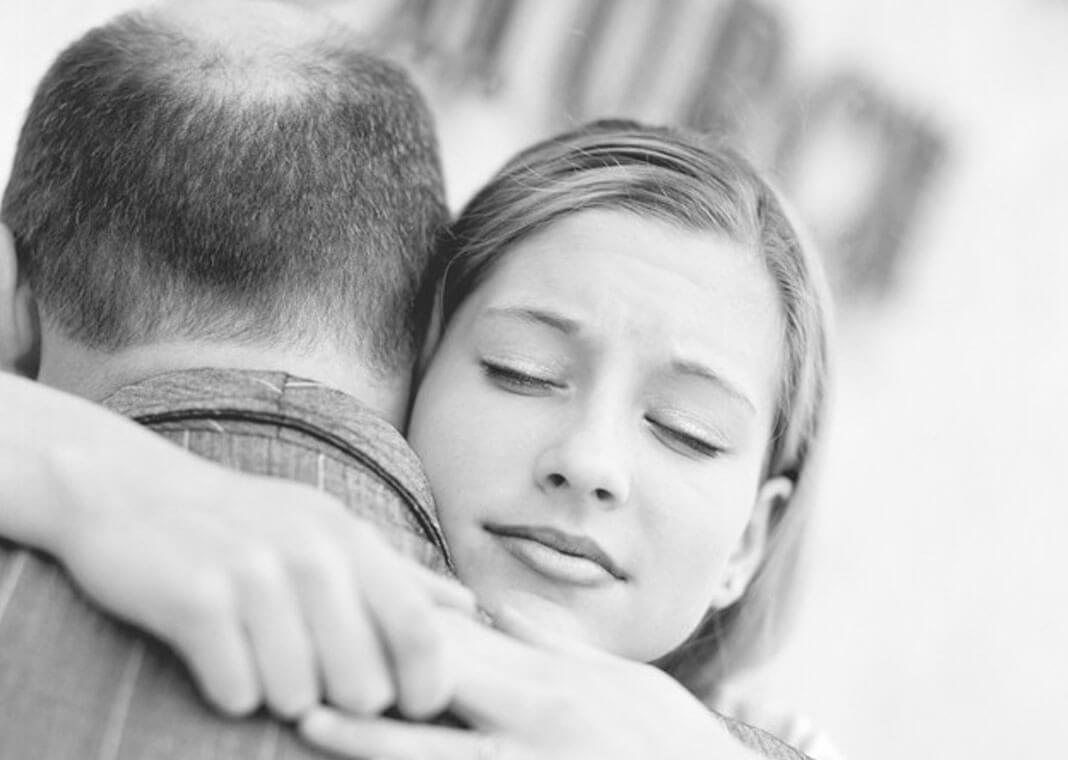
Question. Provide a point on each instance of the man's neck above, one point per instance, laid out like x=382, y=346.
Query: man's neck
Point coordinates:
x=94, y=374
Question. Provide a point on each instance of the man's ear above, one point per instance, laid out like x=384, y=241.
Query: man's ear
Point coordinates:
x=745, y=561
x=20, y=325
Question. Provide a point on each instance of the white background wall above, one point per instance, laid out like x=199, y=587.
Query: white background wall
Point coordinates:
x=936, y=622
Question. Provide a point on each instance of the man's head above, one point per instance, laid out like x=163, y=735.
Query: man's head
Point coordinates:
x=226, y=172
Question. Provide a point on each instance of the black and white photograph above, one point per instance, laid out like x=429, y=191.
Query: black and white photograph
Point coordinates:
x=523, y=379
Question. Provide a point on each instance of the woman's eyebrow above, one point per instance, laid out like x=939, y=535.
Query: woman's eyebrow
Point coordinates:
x=703, y=371
x=556, y=321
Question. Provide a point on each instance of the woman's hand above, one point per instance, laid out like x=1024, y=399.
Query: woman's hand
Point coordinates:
x=539, y=697
x=269, y=590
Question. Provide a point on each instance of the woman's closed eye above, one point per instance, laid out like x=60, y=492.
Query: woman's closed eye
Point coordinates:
x=519, y=380
x=684, y=441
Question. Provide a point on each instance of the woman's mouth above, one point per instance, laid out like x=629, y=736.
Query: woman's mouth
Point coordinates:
x=557, y=555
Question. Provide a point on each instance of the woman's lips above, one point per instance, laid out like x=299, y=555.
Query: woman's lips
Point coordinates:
x=558, y=555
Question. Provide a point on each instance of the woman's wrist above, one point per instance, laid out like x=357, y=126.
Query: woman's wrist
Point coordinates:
x=66, y=463
x=34, y=502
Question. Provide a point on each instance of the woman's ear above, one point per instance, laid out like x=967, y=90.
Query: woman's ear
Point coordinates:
x=748, y=555
x=20, y=326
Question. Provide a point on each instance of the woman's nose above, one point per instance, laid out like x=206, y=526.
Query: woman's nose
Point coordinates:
x=586, y=463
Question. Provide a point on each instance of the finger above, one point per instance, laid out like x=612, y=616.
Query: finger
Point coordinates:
x=222, y=665
x=355, y=668
x=281, y=644
x=381, y=737
x=408, y=626
x=444, y=591
x=368, y=687
x=494, y=674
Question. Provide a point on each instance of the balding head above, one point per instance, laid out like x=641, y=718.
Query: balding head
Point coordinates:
x=247, y=50
x=240, y=27
x=226, y=170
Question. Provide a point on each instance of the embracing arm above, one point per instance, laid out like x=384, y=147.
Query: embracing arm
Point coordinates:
x=269, y=590
x=530, y=694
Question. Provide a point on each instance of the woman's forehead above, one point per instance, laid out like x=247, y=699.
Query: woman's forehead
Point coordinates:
x=596, y=256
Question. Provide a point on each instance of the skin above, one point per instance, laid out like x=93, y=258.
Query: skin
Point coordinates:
x=614, y=379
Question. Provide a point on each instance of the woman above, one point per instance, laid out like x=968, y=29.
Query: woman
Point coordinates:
x=615, y=414
x=541, y=239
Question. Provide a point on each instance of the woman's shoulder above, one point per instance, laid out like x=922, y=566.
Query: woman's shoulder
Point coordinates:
x=791, y=727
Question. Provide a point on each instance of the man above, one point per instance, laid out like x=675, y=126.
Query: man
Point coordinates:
x=228, y=186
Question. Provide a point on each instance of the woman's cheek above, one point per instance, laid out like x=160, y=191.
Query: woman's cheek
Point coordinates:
x=462, y=433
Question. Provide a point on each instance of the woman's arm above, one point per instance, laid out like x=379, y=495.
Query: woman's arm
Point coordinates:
x=260, y=584
x=532, y=695
x=42, y=433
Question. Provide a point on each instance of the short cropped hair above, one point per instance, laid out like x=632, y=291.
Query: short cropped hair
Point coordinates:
x=692, y=182
x=167, y=186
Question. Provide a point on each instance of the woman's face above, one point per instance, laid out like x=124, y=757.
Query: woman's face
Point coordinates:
x=594, y=424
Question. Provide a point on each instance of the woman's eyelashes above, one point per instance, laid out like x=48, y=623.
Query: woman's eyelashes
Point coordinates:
x=680, y=435
x=518, y=379
x=687, y=442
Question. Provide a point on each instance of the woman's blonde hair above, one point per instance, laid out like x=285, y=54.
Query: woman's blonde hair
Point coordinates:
x=685, y=180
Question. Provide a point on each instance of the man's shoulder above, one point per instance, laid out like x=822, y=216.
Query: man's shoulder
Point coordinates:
x=218, y=393
x=273, y=423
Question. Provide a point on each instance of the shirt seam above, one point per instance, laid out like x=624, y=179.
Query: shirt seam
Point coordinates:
x=423, y=518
